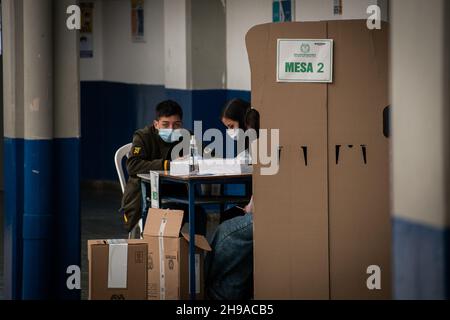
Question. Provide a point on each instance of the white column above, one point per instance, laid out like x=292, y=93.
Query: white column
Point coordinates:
x=420, y=111
x=241, y=16
x=176, y=44
x=38, y=67
x=195, y=45
x=67, y=74
x=421, y=147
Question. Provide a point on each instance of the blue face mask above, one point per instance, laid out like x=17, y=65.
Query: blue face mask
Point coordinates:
x=176, y=135
x=165, y=134
x=169, y=135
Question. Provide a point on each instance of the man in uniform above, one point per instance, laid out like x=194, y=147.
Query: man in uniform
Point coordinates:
x=151, y=151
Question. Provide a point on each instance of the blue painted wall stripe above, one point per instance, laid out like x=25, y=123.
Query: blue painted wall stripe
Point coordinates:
x=110, y=113
x=421, y=261
x=37, y=219
x=66, y=208
x=184, y=99
x=38, y=170
x=13, y=182
x=42, y=217
x=242, y=94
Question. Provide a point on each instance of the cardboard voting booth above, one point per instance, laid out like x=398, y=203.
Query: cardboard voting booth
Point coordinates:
x=327, y=235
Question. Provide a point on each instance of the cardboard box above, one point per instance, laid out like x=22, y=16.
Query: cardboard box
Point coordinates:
x=168, y=256
x=117, y=269
x=223, y=166
x=331, y=195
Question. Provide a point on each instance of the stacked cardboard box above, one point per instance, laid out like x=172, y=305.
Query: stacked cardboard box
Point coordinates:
x=168, y=256
x=117, y=269
x=323, y=220
x=156, y=268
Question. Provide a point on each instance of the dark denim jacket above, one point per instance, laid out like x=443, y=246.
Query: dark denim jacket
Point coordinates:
x=229, y=266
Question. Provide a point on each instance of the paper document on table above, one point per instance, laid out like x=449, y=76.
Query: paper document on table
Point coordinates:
x=223, y=166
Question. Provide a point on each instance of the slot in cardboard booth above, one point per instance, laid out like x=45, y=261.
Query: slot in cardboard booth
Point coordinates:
x=323, y=221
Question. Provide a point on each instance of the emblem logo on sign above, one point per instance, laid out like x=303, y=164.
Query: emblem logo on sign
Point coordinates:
x=305, y=48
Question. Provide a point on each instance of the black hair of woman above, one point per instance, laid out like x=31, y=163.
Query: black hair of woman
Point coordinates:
x=242, y=112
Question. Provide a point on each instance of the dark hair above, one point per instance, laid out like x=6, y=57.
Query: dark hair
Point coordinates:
x=252, y=120
x=241, y=111
x=168, y=108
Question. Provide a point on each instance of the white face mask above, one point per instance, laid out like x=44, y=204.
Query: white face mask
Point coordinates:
x=233, y=133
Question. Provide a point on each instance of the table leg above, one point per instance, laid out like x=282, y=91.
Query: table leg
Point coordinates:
x=191, y=198
x=222, y=205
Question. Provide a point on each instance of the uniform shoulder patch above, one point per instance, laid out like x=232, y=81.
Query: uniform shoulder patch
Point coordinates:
x=137, y=151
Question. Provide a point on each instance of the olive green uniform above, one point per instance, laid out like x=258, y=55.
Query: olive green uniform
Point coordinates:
x=148, y=152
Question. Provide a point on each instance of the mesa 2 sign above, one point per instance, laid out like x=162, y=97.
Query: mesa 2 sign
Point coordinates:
x=305, y=60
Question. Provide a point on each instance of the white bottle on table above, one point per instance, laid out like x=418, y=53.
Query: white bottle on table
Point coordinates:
x=194, y=154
